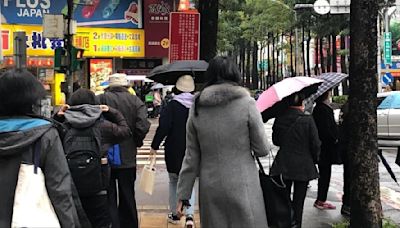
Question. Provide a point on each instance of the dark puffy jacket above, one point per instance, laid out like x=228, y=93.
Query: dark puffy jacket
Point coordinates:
x=299, y=146
x=135, y=113
x=17, y=135
x=173, y=126
x=328, y=131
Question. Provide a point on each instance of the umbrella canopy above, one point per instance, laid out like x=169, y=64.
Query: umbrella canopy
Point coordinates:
x=168, y=74
x=269, y=101
x=387, y=166
x=331, y=80
x=157, y=86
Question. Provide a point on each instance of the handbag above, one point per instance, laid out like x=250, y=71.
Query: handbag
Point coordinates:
x=276, y=199
x=114, y=155
x=32, y=205
x=148, y=176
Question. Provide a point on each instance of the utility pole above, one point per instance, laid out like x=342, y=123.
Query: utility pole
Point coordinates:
x=68, y=43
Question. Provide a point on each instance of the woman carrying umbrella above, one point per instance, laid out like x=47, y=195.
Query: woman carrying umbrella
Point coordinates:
x=328, y=134
x=296, y=135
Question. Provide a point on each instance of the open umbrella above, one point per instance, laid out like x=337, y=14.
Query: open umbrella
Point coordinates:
x=168, y=74
x=270, y=101
x=331, y=80
x=157, y=86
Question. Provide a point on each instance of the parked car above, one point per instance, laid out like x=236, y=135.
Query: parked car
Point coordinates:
x=388, y=114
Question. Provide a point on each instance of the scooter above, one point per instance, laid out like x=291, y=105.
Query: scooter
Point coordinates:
x=150, y=110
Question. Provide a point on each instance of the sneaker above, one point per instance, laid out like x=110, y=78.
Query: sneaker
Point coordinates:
x=173, y=219
x=189, y=222
x=324, y=205
x=345, y=210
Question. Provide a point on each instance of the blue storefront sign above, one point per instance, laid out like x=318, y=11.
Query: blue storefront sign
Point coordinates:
x=96, y=13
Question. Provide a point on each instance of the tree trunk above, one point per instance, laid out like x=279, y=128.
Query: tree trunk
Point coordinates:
x=329, y=56
x=343, y=64
x=316, y=69
x=334, y=61
x=209, y=27
x=269, y=60
x=321, y=54
x=255, y=67
x=291, y=55
x=273, y=59
x=277, y=58
x=308, y=53
x=248, y=62
x=366, y=208
x=242, y=60
x=303, y=52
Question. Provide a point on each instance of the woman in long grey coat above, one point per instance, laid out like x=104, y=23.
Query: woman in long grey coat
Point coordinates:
x=224, y=130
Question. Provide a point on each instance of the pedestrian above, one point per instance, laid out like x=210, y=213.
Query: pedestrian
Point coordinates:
x=172, y=126
x=20, y=96
x=157, y=102
x=83, y=114
x=297, y=137
x=328, y=133
x=123, y=203
x=343, y=144
x=224, y=132
x=168, y=98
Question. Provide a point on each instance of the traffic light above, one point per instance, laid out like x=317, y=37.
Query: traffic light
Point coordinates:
x=77, y=58
x=60, y=60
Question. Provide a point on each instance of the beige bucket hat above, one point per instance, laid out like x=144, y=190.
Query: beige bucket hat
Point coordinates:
x=118, y=80
x=185, y=84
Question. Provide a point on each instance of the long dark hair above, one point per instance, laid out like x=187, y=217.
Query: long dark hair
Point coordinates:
x=221, y=69
x=82, y=96
x=19, y=92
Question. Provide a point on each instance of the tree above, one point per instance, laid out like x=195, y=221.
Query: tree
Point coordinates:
x=209, y=27
x=366, y=209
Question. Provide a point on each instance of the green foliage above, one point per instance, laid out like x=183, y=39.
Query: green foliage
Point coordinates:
x=340, y=99
x=386, y=223
x=395, y=29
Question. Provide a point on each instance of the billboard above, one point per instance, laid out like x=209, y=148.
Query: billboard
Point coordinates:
x=156, y=24
x=184, y=36
x=97, y=42
x=100, y=71
x=97, y=13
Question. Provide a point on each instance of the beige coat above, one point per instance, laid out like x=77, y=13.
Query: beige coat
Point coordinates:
x=220, y=142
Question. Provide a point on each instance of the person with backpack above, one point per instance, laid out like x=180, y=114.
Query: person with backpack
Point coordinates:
x=31, y=140
x=124, y=213
x=92, y=130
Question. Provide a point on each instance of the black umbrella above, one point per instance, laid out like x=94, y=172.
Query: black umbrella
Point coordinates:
x=387, y=166
x=168, y=74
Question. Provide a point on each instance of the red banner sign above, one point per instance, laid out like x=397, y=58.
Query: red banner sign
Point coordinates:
x=184, y=36
x=156, y=24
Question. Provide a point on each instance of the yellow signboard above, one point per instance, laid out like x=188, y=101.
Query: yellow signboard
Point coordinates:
x=97, y=42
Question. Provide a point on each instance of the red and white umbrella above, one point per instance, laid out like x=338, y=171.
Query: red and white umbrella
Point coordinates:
x=285, y=88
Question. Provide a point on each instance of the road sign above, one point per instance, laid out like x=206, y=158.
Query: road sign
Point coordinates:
x=387, y=78
x=322, y=7
x=340, y=6
x=387, y=49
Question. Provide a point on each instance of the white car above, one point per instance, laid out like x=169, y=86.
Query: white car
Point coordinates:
x=388, y=112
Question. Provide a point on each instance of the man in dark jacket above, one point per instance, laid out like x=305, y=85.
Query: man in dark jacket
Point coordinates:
x=135, y=112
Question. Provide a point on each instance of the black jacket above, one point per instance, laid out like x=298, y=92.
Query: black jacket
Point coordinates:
x=17, y=136
x=172, y=124
x=296, y=135
x=327, y=130
x=135, y=113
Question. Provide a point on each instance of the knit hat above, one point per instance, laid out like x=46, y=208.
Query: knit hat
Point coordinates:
x=118, y=80
x=185, y=84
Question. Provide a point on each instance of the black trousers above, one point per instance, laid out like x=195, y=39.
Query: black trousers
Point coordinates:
x=97, y=210
x=299, y=195
x=346, y=181
x=123, y=210
x=324, y=180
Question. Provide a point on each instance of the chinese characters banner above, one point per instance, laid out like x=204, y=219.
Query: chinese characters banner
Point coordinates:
x=97, y=42
x=184, y=36
x=156, y=14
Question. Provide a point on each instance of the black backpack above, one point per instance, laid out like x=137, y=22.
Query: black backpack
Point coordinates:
x=82, y=148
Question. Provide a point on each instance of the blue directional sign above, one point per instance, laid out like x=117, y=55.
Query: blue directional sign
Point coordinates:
x=387, y=78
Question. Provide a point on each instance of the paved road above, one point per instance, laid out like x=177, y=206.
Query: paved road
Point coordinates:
x=390, y=191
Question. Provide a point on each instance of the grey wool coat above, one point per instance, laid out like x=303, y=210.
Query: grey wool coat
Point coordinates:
x=219, y=146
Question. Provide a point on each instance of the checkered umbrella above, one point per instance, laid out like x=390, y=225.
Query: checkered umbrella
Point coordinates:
x=331, y=80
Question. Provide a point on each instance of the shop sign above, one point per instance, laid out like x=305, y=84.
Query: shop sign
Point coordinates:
x=99, y=42
x=156, y=15
x=113, y=13
x=184, y=36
